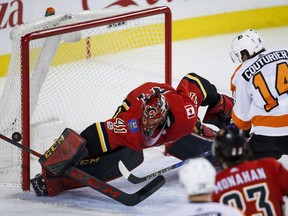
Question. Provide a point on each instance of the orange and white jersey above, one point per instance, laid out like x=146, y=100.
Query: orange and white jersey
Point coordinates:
x=260, y=90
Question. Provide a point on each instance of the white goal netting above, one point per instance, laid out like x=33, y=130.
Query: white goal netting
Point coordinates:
x=70, y=70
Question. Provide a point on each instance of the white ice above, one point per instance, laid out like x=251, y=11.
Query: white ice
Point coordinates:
x=207, y=56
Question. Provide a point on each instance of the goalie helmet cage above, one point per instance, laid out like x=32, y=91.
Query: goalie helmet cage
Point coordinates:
x=70, y=70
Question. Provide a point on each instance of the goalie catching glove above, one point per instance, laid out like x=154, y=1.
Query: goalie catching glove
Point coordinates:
x=220, y=113
x=202, y=130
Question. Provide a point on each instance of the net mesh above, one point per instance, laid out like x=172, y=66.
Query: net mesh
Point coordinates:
x=77, y=78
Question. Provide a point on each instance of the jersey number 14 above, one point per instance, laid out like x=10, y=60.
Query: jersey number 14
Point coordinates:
x=281, y=85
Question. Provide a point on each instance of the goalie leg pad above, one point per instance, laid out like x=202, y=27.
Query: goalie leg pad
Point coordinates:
x=45, y=184
x=67, y=150
x=190, y=146
x=58, y=184
x=105, y=167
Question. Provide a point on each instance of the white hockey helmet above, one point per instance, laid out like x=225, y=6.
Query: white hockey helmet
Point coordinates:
x=249, y=40
x=197, y=176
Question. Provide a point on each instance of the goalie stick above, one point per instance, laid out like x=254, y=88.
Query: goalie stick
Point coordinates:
x=136, y=180
x=101, y=186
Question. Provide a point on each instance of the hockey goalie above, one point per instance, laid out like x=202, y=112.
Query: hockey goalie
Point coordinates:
x=153, y=114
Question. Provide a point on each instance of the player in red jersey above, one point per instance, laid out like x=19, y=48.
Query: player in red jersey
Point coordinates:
x=256, y=187
x=155, y=114
x=151, y=115
x=197, y=176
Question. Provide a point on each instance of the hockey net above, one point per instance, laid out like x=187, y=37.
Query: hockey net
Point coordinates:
x=70, y=70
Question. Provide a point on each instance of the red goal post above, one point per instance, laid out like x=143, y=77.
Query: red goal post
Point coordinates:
x=74, y=69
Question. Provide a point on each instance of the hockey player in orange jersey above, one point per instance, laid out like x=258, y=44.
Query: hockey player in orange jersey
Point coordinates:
x=260, y=90
x=257, y=187
x=151, y=115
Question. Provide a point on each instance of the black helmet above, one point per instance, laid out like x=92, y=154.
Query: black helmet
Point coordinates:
x=230, y=146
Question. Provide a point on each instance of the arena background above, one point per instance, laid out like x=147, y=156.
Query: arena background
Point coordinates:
x=191, y=18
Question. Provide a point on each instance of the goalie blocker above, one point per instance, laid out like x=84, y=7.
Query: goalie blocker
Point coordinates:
x=69, y=150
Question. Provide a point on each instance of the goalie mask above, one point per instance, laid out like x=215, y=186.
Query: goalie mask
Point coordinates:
x=249, y=40
x=230, y=146
x=153, y=113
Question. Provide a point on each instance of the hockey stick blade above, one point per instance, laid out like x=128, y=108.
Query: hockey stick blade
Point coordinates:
x=136, y=180
x=101, y=186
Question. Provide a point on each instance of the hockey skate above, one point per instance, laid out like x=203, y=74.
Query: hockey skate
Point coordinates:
x=39, y=186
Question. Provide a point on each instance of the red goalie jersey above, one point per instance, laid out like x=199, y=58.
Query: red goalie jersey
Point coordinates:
x=255, y=187
x=126, y=126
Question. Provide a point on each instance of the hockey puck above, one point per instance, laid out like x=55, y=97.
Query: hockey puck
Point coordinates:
x=16, y=136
